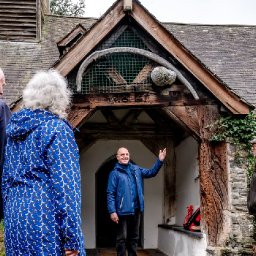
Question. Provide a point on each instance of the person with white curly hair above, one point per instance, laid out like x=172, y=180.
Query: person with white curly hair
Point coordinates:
x=41, y=174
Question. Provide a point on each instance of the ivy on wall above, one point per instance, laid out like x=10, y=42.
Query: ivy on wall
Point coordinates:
x=238, y=131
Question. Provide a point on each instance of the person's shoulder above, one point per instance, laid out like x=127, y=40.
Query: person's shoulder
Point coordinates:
x=5, y=110
x=113, y=174
x=58, y=124
x=3, y=104
x=55, y=128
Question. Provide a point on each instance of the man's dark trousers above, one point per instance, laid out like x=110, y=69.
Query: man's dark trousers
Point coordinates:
x=128, y=234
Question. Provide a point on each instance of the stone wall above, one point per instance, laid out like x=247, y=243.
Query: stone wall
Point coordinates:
x=239, y=225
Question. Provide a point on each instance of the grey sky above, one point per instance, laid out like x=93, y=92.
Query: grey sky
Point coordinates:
x=189, y=11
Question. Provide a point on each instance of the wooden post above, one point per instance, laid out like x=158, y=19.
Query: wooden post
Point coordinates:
x=214, y=189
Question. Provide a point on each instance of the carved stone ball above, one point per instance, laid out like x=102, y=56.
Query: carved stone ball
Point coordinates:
x=162, y=76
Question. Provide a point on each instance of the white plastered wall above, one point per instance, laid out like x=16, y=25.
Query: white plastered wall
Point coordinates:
x=92, y=159
x=175, y=243
x=187, y=178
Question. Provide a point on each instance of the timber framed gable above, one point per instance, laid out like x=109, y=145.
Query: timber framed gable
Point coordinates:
x=133, y=80
x=129, y=60
x=115, y=19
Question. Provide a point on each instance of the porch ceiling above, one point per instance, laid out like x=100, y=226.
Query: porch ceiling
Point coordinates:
x=131, y=123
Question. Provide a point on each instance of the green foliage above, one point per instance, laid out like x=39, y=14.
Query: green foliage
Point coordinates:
x=238, y=131
x=2, y=250
x=67, y=7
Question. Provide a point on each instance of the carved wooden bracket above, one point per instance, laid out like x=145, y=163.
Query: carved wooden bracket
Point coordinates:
x=195, y=119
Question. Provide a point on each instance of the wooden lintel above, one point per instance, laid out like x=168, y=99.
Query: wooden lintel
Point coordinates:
x=90, y=40
x=96, y=104
x=176, y=49
x=127, y=99
x=126, y=135
x=121, y=136
x=141, y=129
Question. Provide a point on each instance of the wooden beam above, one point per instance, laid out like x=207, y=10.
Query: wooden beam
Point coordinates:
x=133, y=99
x=143, y=74
x=98, y=31
x=110, y=117
x=195, y=119
x=116, y=76
x=157, y=117
x=77, y=116
x=135, y=129
x=176, y=49
x=213, y=172
x=130, y=117
x=122, y=136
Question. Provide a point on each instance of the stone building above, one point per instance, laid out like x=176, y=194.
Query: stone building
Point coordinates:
x=122, y=99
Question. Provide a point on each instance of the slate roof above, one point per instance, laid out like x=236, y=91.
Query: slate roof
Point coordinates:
x=21, y=60
x=229, y=51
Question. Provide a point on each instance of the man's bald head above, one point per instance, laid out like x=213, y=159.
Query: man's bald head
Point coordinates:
x=123, y=155
x=121, y=149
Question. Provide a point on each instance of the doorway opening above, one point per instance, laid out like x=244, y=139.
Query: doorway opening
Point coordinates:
x=105, y=228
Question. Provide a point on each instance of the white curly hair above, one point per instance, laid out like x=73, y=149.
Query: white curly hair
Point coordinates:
x=47, y=90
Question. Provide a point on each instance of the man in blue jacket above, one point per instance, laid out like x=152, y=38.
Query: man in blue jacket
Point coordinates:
x=125, y=199
x=5, y=114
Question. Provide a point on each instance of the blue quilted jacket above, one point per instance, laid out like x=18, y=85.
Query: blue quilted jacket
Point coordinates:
x=41, y=186
x=119, y=190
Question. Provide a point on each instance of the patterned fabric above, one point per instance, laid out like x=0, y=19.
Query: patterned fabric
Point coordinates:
x=41, y=186
x=5, y=114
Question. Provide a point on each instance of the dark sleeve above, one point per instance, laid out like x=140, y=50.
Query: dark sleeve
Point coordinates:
x=5, y=114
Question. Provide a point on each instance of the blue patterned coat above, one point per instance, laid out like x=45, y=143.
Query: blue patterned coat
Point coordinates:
x=41, y=186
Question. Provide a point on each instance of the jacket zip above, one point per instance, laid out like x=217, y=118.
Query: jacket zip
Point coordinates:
x=136, y=179
x=121, y=204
